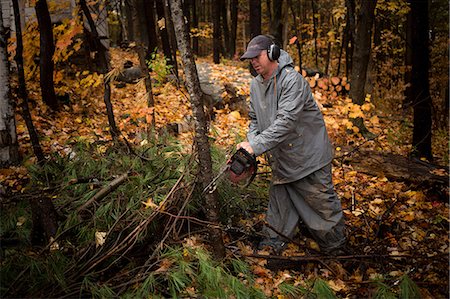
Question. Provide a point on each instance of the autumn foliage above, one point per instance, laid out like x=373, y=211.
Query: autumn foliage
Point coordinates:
x=146, y=236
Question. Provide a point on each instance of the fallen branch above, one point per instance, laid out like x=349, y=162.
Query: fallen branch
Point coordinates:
x=105, y=190
x=307, y=258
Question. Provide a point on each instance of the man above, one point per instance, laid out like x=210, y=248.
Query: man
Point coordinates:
x=287, y=125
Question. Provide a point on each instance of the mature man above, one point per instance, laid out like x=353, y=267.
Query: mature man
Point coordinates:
x=288, y=126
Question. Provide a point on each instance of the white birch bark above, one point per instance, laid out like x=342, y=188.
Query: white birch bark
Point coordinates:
x=8, y=137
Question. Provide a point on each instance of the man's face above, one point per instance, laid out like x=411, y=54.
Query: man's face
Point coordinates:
x=261, y=64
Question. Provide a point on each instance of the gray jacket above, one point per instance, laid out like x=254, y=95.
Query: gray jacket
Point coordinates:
x=286, y=122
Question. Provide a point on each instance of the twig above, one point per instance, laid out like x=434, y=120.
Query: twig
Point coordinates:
x=131, y=239
x=319, y=258
x=105, y=191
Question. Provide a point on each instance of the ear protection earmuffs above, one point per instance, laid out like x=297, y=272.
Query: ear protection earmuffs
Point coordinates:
x=273, y=52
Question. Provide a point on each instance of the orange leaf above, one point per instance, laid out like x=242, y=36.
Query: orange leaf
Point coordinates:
x=292, y=40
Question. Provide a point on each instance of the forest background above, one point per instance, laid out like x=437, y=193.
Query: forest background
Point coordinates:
x=117, y=114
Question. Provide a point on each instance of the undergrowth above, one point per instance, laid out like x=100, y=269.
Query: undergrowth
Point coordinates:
x=125, y=244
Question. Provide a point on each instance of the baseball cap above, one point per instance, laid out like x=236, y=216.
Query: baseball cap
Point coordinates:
x=258, y=43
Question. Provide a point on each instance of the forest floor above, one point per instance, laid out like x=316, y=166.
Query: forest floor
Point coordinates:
x=394, y=227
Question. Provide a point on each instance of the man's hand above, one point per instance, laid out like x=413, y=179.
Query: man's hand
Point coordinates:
x=245, y=145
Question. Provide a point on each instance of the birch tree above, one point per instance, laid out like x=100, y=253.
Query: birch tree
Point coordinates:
x=9, y=153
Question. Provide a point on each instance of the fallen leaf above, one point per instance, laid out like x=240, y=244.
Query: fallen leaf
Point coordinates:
x=100, y=238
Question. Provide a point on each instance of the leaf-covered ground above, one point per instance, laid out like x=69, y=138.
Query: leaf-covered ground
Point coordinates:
x=404, y=228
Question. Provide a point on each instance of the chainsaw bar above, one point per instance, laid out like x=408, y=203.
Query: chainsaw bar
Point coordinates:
x=212, y=186
x=240, y=166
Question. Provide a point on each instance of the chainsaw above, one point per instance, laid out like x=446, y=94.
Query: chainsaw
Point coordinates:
x=241, y=167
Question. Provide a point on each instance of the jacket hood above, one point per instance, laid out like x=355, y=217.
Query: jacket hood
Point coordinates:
x=284, y=61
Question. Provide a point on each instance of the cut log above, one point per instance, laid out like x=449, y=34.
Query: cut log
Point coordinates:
x=322, y=84
x=399, y=168
x=312, y=81
x=304, y=73
x=347, y=87
x=335, y=81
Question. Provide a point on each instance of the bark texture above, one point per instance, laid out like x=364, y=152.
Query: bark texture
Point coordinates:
x=22, y=90
x=46, y=51
x=361, y=56
x=420, y=86
x=9, y=149
x=201, y=137
x=255, y=18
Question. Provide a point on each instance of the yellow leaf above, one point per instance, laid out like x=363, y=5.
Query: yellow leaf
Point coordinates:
x=377, y=201
x=355, y=112
x=409, y=216
x=234, y=115
x=374, y=120
x=366, y=107
x=357, y=212
x=161, y=24
x=100, y=238
x=352, y=173
x=337, y=285
x=440, y=172
x=21, y=220
x=312, y=244
x=150, y=204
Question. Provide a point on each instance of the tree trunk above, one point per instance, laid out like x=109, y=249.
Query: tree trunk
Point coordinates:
x=9, y=149
x=102, y=52
x=201, y=134
x=255, y=18
x=255, y=26
x=149, y=9
x=163, y=33
x=361, y=56
x=225, y=29
x=171, y=34
x=47, y=49
x=408, y=61
x=298, y=34
x=23, y=88
x=195, y=25
x=44, y=217
x=144, y=25
x=276, y=28
x=146, y=44
x=43, y=211
x=129, y=10
x=314, y=12
x=420, y=88
x=217, y=45
x=105, y=67
x=233, y=25
x=123, y=21
x=350, y=32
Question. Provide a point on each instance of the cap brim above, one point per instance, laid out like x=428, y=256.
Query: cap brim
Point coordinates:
x=250, y=54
